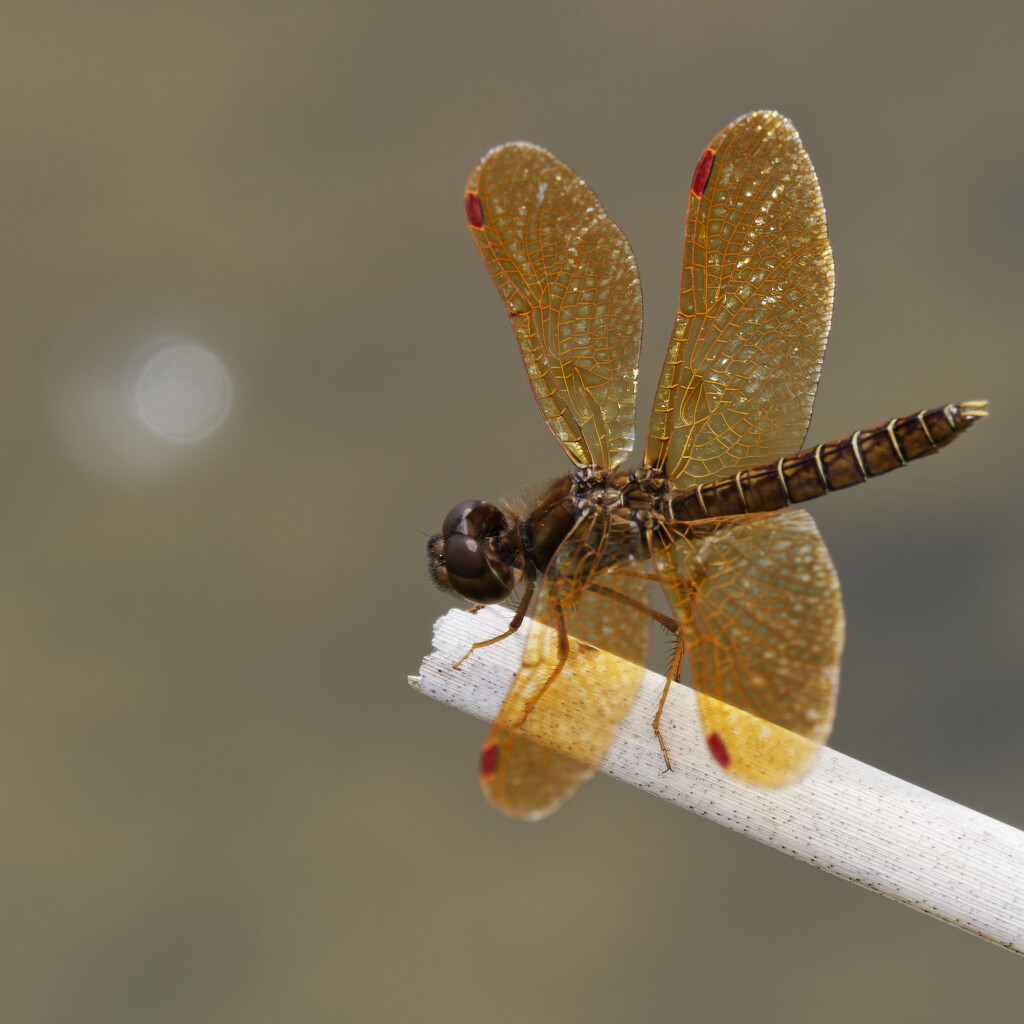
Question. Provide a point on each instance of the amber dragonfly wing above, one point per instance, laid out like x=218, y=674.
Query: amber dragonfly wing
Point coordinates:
x=581, y=672
x=759, y=603
x=569, y=281
x=755, y=306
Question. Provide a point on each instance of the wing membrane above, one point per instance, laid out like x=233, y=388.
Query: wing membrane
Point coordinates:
x=755, y=305
x=557, y=722
x=569, y=281
x=763, y=621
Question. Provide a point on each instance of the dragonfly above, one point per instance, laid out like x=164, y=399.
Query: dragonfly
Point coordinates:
x=710, y=513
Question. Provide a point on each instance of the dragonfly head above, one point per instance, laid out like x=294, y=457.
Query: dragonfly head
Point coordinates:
x=467, y=555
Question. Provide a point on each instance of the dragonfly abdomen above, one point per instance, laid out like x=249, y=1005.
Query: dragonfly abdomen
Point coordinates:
x=829, y=467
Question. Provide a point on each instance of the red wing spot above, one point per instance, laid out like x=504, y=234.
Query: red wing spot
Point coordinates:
x=702, y=173
x=488, y=761
x=718, y=751
x=474, y=214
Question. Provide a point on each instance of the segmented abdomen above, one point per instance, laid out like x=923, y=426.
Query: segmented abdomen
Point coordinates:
x=829, y=467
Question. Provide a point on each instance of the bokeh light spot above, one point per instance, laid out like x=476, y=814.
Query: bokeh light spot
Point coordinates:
x=183, y=392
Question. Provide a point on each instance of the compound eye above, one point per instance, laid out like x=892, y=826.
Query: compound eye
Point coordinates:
x=474, y=519
x=453, y=522
x=474, y=572
x=465, y=557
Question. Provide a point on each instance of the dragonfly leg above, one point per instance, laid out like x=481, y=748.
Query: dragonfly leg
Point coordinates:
x=674, y=675
x=563, y=656
x=665, y=621
x=513, y=626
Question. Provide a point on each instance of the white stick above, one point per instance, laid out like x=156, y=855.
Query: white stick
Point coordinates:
x=844, y=817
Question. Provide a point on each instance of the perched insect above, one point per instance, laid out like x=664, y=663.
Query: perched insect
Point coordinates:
x=708, y=513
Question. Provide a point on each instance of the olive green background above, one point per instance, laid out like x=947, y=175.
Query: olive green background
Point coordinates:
x=220, y=801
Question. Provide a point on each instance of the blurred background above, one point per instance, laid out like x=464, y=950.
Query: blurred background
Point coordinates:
x=248, y=351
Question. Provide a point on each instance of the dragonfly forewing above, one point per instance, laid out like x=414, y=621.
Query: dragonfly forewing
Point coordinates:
x=755, y=305
x=569, y=281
